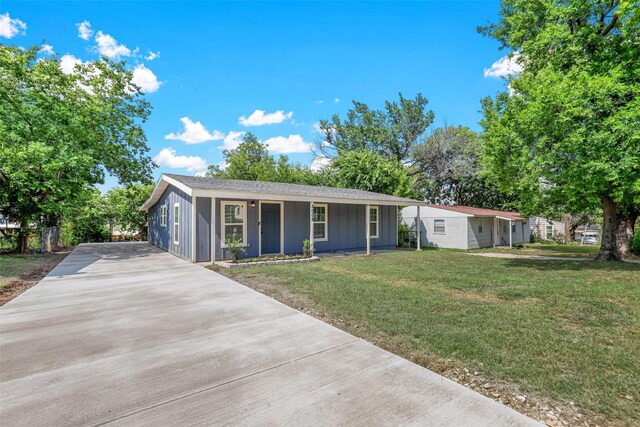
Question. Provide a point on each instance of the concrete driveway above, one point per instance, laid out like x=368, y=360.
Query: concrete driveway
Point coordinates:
x=126, y=334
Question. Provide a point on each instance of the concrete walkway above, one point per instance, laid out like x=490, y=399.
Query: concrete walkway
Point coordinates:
x=534, y=257
x=126, y=334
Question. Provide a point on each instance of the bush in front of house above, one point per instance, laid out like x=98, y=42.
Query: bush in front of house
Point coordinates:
x=307, y=248
x=235, y=248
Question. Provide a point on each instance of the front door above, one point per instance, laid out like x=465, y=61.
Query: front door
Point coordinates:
x=270, y=227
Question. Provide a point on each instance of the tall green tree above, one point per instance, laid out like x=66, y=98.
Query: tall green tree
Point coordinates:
x=365, y=170
x=251, y=161
x=391, y=132
x=123, y=207
x=448, y=170
x=570, y=133
x=60, y=133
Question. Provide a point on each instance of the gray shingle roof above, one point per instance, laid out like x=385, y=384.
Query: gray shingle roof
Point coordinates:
x=279, y=188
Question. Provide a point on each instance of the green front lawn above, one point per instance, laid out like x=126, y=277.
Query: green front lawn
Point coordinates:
x=548, y=249
x=566, y=331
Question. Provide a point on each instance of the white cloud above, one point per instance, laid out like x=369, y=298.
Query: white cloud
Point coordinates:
x=145, y=78
x=290, y=144
x=167, y=157
x=194, y=133
x=505, y=66
x=68, y=63
x=318, y=102
x=152, y=56
x=316, y=127
x=109, y=47
x=320, y=162
x=232, y=140
x=259, y=118
x=336, y=100
x=84, y=30
x=10, y=28
x=46, y=49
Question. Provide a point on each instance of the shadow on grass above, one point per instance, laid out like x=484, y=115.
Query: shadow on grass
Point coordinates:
x=562, y=265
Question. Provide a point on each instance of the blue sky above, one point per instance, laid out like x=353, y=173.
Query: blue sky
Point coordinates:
x=218, y=65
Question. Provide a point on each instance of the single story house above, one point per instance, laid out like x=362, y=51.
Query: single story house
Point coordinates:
x=194, y=217
x=465, y=227
x=546, y=229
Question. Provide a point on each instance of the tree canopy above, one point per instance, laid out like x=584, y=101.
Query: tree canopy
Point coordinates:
x=251, y=161
x=448, y=170
x=569, y=133
x=61, y=133
x=391, y=132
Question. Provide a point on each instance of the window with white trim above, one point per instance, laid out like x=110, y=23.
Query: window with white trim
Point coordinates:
x=234, y=221
x=549, y=232
x=320, y=222
x=438, y=226
x=513, y=227
x=163, y=216
x=373, y=222
x=176, y=223
x=480, y=228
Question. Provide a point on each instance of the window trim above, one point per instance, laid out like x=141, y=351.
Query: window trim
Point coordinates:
x=376, y=222
x=443, y=225
x=480, y=228
x=163, y=215
x=223, y=222
x=546, y=232
x=176, y=224
x=326, y=222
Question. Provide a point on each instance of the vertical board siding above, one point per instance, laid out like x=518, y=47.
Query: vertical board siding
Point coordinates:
x=251, y=250
x=162, y=237
x=203, y=229
x=346, y=228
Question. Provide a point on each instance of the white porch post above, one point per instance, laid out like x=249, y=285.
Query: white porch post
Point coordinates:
x=510, y=233
x=418, y=227
x=496, y=223
x=367, y=212
x=213, y=230
x=193, y=229
x=311, y=224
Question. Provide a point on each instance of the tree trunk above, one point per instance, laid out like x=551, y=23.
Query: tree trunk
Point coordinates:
x=566, y=219
x=23, y=237
x=608, y=246
x=572, y=231
x=624, y=231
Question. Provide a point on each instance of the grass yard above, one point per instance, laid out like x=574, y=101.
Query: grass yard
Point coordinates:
x=20, y=272
x=545, y=249
x=554, y=331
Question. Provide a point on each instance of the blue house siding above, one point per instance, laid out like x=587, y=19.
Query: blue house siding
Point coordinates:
x=203, y=229
x=346, y=227
x=251, y=250
x=161, y=236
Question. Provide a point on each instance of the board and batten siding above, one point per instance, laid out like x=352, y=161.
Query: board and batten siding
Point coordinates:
x=162, y=237
x=203, y=229
x=346, y=227
x=251, y=248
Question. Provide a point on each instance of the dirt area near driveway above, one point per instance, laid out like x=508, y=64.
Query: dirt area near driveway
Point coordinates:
x=32, y=272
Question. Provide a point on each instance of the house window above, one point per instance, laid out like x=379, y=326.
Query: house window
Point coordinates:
x=163, y=215
x=438, y=226
x=373, y=221
x=319, y=219
x=234, y=220
x=176, y=223
x=549, y=232
x=480, y=229
x=513, y=227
